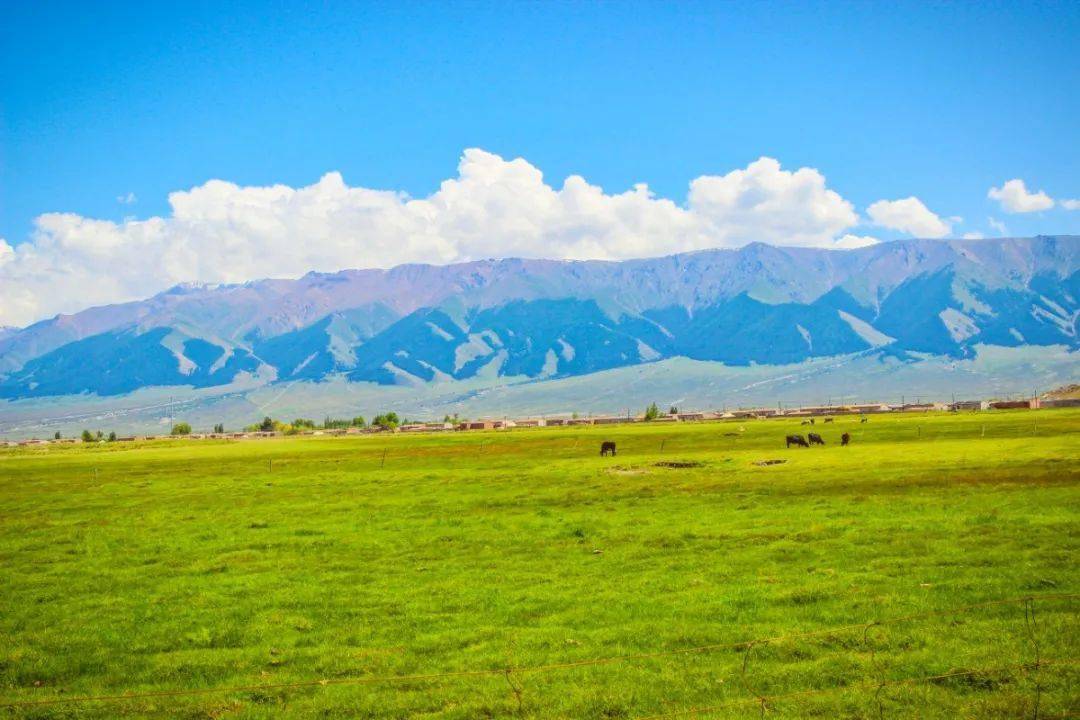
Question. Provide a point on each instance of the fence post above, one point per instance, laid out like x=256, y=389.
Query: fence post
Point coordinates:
x=878, y=669
x=742, y=677
x=1032, y=628
x=517, y=691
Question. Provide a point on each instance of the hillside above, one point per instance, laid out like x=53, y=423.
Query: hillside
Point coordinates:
x=534, y=319
x=1066, y=392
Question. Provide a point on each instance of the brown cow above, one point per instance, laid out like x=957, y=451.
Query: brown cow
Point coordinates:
x=845, y=439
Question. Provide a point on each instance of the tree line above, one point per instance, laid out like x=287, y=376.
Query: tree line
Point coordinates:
x=383, y=421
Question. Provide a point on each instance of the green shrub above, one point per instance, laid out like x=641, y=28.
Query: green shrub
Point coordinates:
x=387, y=421
x=652, y=412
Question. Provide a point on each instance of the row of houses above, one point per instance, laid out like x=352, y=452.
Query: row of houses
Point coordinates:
x=564, y=421
x=1061, y=402
x=1031, y=404
x=741, y=414
x=140, y=438
x=770, y=412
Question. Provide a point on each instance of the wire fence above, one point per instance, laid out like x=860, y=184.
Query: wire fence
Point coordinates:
x=764, y=701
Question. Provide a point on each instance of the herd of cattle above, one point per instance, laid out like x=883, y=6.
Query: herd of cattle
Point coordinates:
x=608, y=447
x=813, y=439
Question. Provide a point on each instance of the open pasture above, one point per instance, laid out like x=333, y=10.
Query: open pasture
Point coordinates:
x=520, y=574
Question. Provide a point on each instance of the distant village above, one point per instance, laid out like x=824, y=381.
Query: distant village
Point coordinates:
x=389, y=422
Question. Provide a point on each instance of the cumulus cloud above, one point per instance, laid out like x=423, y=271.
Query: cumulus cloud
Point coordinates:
x=766, y=203
x=222, y=232
x=909, y=215
x=1070, y=204
x=1015, y=198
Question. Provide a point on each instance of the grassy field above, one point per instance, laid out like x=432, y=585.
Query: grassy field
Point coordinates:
x=240, y=568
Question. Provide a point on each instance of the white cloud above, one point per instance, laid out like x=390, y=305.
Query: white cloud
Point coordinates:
x=1015, y=198
x=997, y=226
x=1070, y=204
x=909, y=215
x=128, y=199
x=766, y=203
x=973, y=236
x=222, y=232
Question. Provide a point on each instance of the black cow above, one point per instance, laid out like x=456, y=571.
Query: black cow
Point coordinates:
x=805, y=422
x=607, y=447
x=797, y=440
x=828, y=419
x=845, y=439
x=862, y=419
x=815, y=439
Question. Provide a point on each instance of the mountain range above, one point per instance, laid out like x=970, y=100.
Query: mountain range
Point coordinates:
x=415, y=325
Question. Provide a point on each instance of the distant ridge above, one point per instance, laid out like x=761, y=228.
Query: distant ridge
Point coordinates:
x=419, y=324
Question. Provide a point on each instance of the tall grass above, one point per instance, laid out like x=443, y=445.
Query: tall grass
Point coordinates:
x=191, y=565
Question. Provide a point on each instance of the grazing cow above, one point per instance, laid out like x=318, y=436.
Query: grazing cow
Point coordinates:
x=862, y=419
x=805, y=422
x=811, y=421
x=607, y=447
x=815, y=439
x=845, y=439
x=797, y=440
x=828, y=419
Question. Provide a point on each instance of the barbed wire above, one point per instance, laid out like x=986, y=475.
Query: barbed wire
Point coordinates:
x=765, y=699
x=548, y=667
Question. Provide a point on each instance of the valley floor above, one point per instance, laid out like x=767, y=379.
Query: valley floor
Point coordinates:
x=520, y=574
x=995, y=372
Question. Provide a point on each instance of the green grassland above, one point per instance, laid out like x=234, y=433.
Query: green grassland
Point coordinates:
x=239, y=568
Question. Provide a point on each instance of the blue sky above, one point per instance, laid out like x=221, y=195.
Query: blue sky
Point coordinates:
x=936, y=100
x=885, y=100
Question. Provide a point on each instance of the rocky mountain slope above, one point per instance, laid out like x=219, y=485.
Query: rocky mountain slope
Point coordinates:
x=419, y=324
